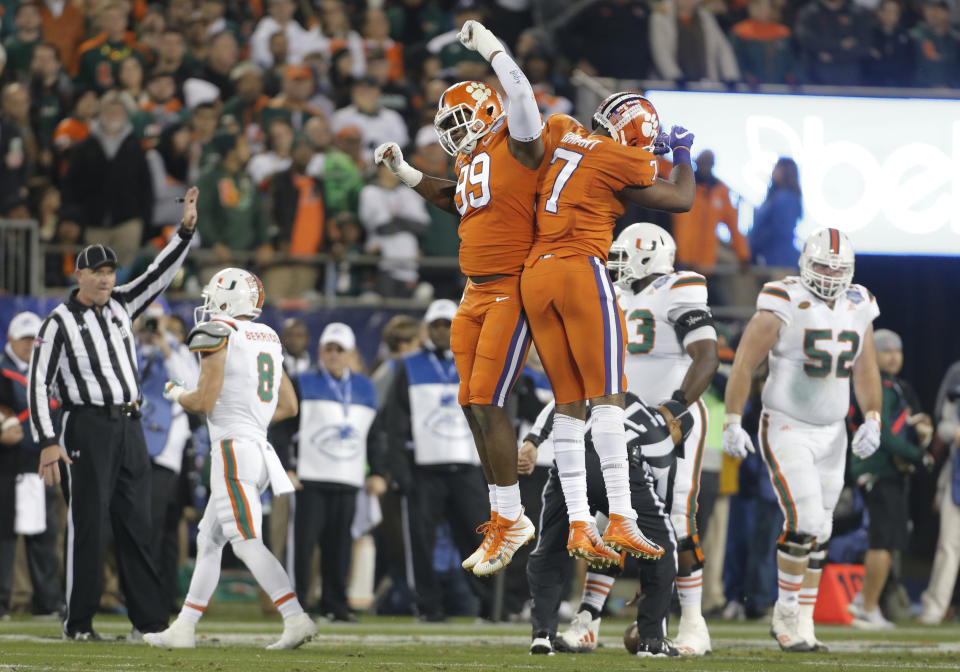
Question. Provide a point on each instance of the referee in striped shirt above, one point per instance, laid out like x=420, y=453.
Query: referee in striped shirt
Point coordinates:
x=85, y=356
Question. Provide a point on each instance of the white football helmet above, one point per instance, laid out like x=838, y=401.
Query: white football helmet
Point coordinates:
x=640, y=250
x=232, y=292
x=830, y=248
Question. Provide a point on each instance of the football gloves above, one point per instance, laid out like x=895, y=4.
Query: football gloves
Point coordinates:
x=736, y=442
x=476, y=37
x=388, y=154
x=867, y=439
x=172, y=389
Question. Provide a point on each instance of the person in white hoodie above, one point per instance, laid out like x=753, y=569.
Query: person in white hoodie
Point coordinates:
x=686, y=43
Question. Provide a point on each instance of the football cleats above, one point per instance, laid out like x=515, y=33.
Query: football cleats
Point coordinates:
x=232, y=292
x=465, y=113
x=830, y=248
x=640, y=250
x=629, y=118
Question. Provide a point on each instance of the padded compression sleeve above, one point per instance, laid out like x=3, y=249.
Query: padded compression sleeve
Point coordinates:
x=523, y=116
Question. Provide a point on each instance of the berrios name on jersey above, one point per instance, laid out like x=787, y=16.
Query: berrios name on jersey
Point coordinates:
x=812, y=362
x=662, y=320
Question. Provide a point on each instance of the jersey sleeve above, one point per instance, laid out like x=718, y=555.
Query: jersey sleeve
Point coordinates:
x=688, y=312
x=628, y=166
x=775, y=297
x=872, y=307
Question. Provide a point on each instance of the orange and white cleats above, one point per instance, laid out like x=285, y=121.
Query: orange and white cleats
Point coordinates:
x=510, y=536
x=623, y=534
x=489, y=532
x=584, y=542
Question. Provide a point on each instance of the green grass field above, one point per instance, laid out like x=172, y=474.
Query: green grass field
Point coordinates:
x=231, y=639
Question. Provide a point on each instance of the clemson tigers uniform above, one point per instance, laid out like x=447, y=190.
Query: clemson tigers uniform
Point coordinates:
x=659, y=328
x=241, y=458
x=570, y=301
x=803, y=439
x=489, y=337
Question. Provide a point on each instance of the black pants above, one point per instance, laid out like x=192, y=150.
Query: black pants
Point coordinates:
x=517, y=589
x=546, y=567
x=457, y=494
x=42, y=561
x=322, y=515
x=108, y=483
x=165, y=542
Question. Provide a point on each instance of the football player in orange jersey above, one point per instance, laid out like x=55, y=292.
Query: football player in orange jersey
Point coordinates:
x=570, y=301
x=498, y=163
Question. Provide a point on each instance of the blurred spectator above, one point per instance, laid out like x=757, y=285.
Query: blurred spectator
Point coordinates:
x=936, y=599
x=509, y=18
x=171, y=173
x=393, y=218
x=172, y=55
x=16, y=109
x=377, y=124
x=341, y=77
x=13, y=168
x=295, y=338
x=204, y=121
x=223, y=55
x=107, y=190
x=686, y=43
x=279, y=17
x=19, y=463
x=231, y=211
x=906, y=433
x=159, y=103
x=273, y=76
x=277, y=157
x=130, y=79
x=936, y=47
x=294, y=101
x=455, y=59
x=890, y=60
x=20, y=46
x=620, y=26
x=50, y=94
x=538, y=66
x=63, y=26
x=762, y=45
x=414, y=22
x=401, y=335
x=214, y=13
x=341, y=180
x=336, y=27
x=695, y=231
x=98, y=58
x=441, y=238
x=299, y=214
x=71, y=131
x=150, y=28
x=348, y=278
x=398, y=96
x=376, y=38
x=834, y=37
x=775, y=222
x=48, y=212
x=248, y=103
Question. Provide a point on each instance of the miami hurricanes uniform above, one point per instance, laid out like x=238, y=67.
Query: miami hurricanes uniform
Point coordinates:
x=662, y=320
x=569, y=298
x=241, y=459
x=495, y=197
x=806, y=397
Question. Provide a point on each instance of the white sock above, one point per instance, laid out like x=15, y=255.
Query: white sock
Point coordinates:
x=569, y=453
x=492, y=492
x=206, y=576
x=610, y=443
x=690, y=592
x=789, y=587
x=508, y=499
x=595, y=590
x=268, y=572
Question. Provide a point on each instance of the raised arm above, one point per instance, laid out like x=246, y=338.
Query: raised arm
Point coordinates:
x=140, y=292
x=435, y=190
x=675, y=194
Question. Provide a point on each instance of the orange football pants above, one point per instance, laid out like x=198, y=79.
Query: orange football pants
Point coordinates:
x=577, y=326
x=489, y=339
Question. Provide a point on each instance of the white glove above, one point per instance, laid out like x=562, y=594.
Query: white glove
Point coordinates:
x=867, y=439
x=736, y=442
x=388, y=154
x=477, y=37
x=172, y=389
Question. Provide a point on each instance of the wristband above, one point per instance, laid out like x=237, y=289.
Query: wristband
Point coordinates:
x=681, y=158
x=680, y=397
x=873, y=415
x=409, y=175
x=732, y=419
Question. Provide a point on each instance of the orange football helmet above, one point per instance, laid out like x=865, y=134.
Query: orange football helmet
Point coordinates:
x=466, y=112
x=630, y=119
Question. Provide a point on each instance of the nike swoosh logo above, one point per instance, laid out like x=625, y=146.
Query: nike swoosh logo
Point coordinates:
x=501, y=298
x=683, y=135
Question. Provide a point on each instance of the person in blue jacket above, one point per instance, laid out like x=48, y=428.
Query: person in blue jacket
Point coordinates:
x=775, y=221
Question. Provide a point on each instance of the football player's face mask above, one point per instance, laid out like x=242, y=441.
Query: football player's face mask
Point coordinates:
x=640, y=250
x=629, y=118
x=826, y=263
x=465, y=113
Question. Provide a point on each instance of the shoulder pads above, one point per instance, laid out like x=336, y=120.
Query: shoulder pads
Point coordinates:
x=208, y=337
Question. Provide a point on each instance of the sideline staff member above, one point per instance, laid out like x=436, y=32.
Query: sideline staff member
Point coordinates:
x=85, y=354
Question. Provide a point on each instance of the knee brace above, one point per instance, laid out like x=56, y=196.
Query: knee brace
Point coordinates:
x=690, y=544
x=796, y=544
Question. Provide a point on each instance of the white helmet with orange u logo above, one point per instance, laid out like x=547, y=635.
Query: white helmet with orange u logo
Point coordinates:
x=233, y=292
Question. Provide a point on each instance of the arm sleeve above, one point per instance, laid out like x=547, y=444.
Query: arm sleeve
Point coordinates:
x=44, y=362
x=140, y=292
x=523, y=116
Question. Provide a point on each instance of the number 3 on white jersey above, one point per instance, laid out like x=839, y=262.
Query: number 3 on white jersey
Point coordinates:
x=477, y=173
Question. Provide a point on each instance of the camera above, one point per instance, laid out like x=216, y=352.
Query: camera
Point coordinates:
x=150, y=325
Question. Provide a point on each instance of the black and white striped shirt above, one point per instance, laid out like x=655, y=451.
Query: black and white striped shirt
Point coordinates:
x=87, y=357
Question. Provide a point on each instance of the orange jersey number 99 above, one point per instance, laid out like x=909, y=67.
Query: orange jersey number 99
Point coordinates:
x=473, y=184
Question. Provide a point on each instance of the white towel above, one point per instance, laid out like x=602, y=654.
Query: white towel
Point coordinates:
x=31, y=505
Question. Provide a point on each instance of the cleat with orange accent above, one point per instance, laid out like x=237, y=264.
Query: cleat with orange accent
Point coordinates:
x=584, y=542
x=489, y=532
x=509, y=537
x=623, y=534
x=581, y=636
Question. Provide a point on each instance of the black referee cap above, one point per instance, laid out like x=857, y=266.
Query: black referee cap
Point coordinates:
x=95, y=256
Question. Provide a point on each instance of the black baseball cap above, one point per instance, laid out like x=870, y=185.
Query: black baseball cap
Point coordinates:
x=95, y=256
